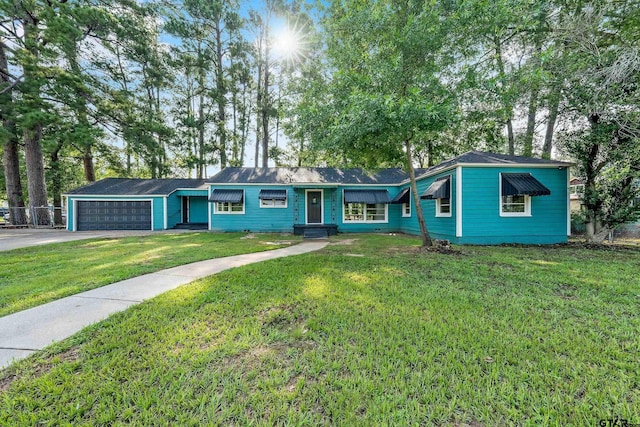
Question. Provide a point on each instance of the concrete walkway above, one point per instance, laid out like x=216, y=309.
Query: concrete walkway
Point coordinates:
x=31, y=330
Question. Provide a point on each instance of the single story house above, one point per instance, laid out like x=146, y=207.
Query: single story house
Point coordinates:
x=475, y=198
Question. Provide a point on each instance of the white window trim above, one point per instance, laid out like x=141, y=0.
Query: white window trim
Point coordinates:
x=364, y=221
x=286, y=202
x=404, y=213
x=306, y=206
x=527, y=203
x=216, y=212
x=440, y=214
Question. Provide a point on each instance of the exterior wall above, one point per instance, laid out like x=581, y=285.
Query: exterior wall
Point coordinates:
x=481, y=220
x=439, y=227
x=174, y=210
x=254, y=217
x=157, y=208
x=329, y=204
x=198, y=209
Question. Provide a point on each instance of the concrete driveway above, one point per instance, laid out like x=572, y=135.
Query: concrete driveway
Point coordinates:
x=22, y=238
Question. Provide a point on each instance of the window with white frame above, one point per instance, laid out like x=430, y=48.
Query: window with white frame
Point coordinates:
x=406, y=209
x=365, y=212
x=273, y=203
x=273, y=198
x=516, y=205
x=576, y=190
x=227, y=201
x=230, y=207
x=443, y=206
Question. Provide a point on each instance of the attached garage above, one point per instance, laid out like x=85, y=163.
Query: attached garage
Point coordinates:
x=113, y=215
x=135, y=204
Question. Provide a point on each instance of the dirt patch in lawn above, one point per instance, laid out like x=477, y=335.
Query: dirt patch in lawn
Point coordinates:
x=6, y=381
x=70, y=355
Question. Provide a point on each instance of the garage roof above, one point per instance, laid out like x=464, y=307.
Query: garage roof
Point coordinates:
x=137, y=187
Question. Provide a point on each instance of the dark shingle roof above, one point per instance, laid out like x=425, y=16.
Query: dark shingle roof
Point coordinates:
x=307, y=176
x=137, y=187
x=479, y=157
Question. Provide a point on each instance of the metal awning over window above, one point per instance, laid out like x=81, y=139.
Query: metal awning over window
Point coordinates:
x=522, y=184
x=439, y=189
x=366, y=196
x=230, y=196
x=402, y=197
x=273, y=195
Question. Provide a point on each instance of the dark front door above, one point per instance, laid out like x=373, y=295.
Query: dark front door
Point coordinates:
x=314, y=207
x=185, y=210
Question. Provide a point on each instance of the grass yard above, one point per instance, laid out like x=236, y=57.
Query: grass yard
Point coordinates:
x=36, y=275
x=369, y=333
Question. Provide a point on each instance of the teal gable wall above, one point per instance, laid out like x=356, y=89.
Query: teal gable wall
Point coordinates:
x=439, y=227
x=157, y=219
x=481, y=220
x=254, y=217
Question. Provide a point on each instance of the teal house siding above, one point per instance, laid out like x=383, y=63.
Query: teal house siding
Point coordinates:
x=198, y=209
x=481, y=220
x=439, y=227
x=254, y=217
x=174, y=210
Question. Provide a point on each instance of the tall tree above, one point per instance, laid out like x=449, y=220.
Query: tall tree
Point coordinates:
x=9, y=140
x=386, y=90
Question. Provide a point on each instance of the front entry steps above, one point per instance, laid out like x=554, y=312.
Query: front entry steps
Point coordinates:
x=315, y=231
x=191, y=226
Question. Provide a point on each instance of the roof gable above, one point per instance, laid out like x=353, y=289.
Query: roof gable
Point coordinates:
x=136, y=187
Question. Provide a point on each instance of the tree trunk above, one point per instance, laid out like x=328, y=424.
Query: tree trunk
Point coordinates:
x=506, y=102
x=266, y=102
x=32, y=136
x=13, y=184
x=11, y=159
x=87, y=161
x=38, y=202
x=424, y=231
x=551, y=123
x=258, y=110
x=531, y=122
x=222, y=104
x=201, y=120
x=56, y=184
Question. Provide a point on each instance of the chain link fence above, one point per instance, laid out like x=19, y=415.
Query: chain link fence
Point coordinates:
x=38, y=217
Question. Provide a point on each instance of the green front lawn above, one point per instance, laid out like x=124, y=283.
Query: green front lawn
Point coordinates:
x=369, y=333
x=36, y=275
